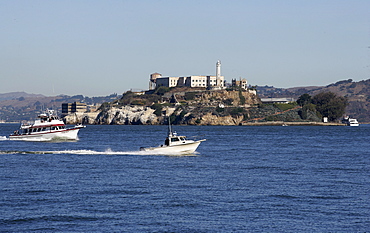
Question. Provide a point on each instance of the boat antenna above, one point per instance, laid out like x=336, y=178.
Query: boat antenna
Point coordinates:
x=53, y=100
x=169, y=126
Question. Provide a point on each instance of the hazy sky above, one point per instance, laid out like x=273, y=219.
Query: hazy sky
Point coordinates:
x=97, y=48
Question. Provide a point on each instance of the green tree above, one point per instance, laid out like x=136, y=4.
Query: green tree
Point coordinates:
x=304, y=99
x=330, y=105
x=309, y=107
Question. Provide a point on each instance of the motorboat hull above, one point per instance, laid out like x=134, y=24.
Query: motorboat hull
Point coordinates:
x=175, y=149
x=350, y=121
x=65, y=134
x=47, y=127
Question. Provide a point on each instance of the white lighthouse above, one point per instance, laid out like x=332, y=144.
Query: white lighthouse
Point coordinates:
x=218, y=74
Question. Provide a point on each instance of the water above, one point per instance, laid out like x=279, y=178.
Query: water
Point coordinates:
x=243, y=179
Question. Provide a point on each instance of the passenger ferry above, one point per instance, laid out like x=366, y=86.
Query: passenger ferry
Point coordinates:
x=47, y=127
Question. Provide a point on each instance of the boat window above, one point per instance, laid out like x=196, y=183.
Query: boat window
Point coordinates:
x=53, y=128
x=175, y=139
x=39, y=129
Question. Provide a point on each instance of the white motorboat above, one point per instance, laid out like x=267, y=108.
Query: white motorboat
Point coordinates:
x=47, y=127
x=175, y=144
x=350, y=121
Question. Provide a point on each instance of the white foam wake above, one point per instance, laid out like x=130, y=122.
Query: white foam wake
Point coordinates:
x=110, y=152
x=92, y=152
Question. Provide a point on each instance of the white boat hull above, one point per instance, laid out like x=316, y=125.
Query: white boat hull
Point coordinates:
x=187, y=148
x=350, y=121
x=65, y=134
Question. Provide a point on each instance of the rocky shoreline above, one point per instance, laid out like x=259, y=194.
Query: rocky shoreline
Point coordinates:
x=205, y=107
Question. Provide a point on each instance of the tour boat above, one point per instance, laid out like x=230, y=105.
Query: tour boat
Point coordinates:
x=350, y=121
x=175, y=144
x=47, y=127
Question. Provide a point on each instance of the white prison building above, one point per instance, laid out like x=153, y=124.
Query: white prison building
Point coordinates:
x=216, y=82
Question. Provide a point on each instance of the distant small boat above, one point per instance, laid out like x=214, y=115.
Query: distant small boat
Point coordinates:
x=47, y=127
x=350, y=121
x=175, y=144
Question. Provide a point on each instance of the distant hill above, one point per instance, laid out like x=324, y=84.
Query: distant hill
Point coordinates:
x=18, y=106
x=15, y=95
x=358, y=94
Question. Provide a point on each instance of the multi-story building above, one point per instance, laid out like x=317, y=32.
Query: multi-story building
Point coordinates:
x=240, y=83
x=215, y=82
x=68, y=108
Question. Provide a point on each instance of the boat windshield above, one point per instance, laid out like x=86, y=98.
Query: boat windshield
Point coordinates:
x=175, y=139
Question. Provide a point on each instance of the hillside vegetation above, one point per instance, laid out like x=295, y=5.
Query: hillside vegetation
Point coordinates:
x=357, y=94
x=204, y=107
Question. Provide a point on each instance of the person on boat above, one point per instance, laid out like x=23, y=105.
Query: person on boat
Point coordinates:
x=167, y=141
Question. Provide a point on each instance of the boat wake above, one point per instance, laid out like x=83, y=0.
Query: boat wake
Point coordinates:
x=92, y=152
x=3, y=138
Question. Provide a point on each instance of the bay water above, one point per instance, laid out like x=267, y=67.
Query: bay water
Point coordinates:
x=242, y=179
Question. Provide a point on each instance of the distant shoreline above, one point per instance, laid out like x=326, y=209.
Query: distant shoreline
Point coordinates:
x=284, y=123
x=269, y=123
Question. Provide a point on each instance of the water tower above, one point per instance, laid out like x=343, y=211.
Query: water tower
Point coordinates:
x=153, y=80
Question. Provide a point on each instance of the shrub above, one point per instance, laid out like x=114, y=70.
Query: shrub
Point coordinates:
x=189, y=95
x=229, y=101
x=162, y=90
x=158, y=109
x=241, y=97
x=138, y=102
x=284, y=107
x=218, y=109
x=236, y=111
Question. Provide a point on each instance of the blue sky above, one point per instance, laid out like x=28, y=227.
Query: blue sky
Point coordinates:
x=97, y=48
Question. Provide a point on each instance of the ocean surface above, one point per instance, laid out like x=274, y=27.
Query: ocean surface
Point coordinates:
x=242, y=179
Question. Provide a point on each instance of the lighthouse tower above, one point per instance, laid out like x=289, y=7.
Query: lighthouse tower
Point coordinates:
x=218, y=74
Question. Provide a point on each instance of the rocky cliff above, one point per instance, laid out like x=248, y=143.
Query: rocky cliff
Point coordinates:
x=127, y=115
x=184, y=107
